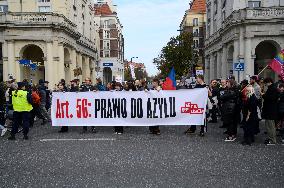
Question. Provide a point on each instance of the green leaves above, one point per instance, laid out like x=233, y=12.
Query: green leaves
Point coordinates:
x=178, y=54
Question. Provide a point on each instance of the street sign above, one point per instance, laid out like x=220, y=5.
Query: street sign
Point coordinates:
x=239, y=66
x=108, y=64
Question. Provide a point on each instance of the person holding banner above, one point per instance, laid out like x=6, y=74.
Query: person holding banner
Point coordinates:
x=192, y=129
x=116, y=88
x=87, y=87
x=155, y=129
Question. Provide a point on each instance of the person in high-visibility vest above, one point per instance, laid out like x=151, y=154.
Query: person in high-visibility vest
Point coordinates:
x=21, y=101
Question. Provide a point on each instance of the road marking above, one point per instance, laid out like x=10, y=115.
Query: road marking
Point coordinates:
x=88, y=139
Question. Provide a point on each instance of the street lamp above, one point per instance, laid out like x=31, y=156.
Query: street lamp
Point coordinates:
x=133, y=58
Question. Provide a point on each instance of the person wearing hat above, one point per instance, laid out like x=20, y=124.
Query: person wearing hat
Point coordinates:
x=22, y=105
x=43, y=101
x=48, y=94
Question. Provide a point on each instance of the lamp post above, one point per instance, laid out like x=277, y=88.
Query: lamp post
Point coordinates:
x=131, y=60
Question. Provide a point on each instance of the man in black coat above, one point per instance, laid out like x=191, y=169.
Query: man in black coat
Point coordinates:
x=270, y=110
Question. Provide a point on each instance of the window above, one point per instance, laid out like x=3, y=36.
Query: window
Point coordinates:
x=106, y=53
x=215, y=7
x=253, y=4
x=107, y=34
x=196, y=33
x=43, y=1
x=223, y=15
x=106, y=24
x=44, y=8
x=195, y=44
x=224, y=3
x=106, y=45
x=75, y=18
x=195, y=21
x=4, y=8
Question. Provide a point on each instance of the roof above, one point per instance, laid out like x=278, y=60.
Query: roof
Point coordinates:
x=102, y=9
x=198, y=6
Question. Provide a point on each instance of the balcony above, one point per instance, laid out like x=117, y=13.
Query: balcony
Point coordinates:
x=44, y=20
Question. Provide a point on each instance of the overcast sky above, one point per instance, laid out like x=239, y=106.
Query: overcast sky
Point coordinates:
x=148, y=26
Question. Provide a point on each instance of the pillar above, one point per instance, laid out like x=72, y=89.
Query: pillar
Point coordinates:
x=87, y=67
x=249, y=62
x=49, y=65
x=73, y=62
x=224, y=71
x=79, y=65
x=236, y=56
x=11, y=59
x=5, y=60
x=211, y=67
x=206, y=69
x=60, y=63
x=219, y=64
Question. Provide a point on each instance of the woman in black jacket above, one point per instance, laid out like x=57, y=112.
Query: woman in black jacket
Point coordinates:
x=251, y=118
x=229, y=109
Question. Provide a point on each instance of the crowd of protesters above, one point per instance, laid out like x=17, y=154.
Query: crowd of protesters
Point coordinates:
x=234, y=104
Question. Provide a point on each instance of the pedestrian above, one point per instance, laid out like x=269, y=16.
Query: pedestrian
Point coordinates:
x=21, y=101
x=214, y=88
x=222, y=89
x=116, y=88
x=74, y=87
x=43, y=99
x=88, y=87
x=36, y=106
x=155, y=129
x=61, y=88
x=200, y=84
x=48, y=96
x=270, y=110
x=281, y=110
x=230, y=110
x=100, y=86
x=251, y=117
x=2, y=109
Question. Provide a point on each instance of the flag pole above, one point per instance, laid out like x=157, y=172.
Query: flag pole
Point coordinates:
x=257, y=75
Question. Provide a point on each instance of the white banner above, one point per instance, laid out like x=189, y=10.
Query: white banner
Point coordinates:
x=129, y=108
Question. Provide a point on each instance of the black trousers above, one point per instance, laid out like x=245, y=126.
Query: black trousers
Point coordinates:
x=154, y=129
x=193, y=128
x=248, y=132
x=35, y=113
x=232, y=128
x=21, y=118
x=213, y=113
x=118, y=129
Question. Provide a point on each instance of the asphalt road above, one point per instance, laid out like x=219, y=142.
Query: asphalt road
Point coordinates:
x=138, y=159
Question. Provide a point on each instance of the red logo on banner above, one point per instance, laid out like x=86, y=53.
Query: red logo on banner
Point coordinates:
x=190, y=108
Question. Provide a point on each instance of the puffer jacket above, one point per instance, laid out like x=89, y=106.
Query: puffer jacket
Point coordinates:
x=229, y=104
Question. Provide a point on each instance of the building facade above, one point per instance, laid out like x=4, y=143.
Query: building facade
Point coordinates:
x=60, y=37
x=246, y=31
x=111, y=53
x=194, y=22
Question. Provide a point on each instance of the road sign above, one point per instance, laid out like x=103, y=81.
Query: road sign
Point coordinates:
x=107, y=64
x=239, y=66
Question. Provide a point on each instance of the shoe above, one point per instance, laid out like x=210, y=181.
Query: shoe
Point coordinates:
x=119, y=133
x=269, y=143
x=230, y=139
x=4, y=131
x=94, y=130
x=26, y=137
x=189, y=131
x=225, y=132
x=44, y=122
x=201, y=134
x=12, y=138
x=62, y=131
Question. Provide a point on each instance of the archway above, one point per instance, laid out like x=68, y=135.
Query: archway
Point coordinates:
x=35, y=54
x=67, y=62
x=265, y=51
x=107, y=75
x=230, y=60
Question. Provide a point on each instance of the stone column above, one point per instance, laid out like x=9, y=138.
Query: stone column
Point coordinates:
x=79, y=65
x=11, y=59
x=224, y=71
x=249, y=62
x=50, y=75
x=219, y=64
x=236, y=56
x=73, y=62
x=212, y=68
x=206, y=70
x=60, y=63
x=5, y=60
x=87, y=67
